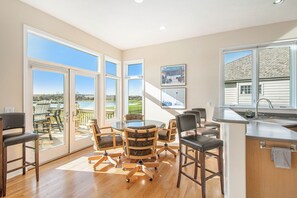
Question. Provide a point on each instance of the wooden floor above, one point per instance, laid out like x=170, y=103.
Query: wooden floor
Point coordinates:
x=72, y=176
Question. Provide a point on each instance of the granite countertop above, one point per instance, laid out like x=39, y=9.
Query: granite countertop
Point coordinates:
x=270, y=129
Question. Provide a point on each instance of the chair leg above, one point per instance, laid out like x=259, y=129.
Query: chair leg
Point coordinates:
x=187, y=154
x=179, y=168
x=220, y=166
x=37, y=159
x=132, y=172
x=102, y=159
x=4, y=171
x=147, y=172
x=202, y=172
x=196, y=165
x=24, y=158
x=171, y=151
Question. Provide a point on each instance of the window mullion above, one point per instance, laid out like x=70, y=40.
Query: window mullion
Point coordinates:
x=255, y=77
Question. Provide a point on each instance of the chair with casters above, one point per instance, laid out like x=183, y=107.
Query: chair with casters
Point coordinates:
x=204, y=121
x=167, y=135
x=16, y=122
x=201, y=145
x=104, y=141
x=133, y=117
x=140, y=144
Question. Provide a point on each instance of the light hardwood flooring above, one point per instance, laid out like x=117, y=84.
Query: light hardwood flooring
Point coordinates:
x=72, y=176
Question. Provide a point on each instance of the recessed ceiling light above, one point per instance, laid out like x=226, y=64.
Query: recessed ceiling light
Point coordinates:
x=138, y=1
x=162, y=27
x=278, y=1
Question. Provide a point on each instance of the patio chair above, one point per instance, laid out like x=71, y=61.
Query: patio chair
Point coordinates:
x=167, y=136
x=104, y=141
x=140, y=144
x=41, y=118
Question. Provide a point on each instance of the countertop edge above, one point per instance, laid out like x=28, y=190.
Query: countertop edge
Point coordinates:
x=224, y=114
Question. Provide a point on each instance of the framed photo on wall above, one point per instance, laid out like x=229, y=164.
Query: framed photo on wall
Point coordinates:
x=173, y=75
x=173, y=98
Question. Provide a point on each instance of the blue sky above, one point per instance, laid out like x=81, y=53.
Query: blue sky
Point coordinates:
x=229, y=57
x=51, y=83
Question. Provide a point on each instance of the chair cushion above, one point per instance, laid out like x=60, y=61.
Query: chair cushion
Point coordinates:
x=163, y=134
x=200, y=142
x=9, y=140
x=107, y=141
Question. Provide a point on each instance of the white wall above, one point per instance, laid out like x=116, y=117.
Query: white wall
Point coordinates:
x=202, y=56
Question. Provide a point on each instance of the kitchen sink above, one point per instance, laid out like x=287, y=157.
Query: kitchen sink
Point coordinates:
x=279, y=121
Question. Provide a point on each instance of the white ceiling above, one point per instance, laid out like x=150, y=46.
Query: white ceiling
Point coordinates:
x=126, y=24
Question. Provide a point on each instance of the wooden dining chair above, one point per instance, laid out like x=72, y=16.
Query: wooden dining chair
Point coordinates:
x=104, y=141
x=133, y=117
x=167, y=135
x=140, y=144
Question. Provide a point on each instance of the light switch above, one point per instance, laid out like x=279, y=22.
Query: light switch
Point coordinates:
x=8, y=109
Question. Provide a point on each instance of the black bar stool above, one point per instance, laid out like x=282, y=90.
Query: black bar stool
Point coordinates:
x=201, y=144
x=17, y=121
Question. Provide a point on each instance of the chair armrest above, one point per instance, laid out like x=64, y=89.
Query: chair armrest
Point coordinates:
x=106, y=134
x=107, y=127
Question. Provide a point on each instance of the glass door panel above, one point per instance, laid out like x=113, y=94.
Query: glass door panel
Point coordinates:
x=48, y=112
x=83, y=109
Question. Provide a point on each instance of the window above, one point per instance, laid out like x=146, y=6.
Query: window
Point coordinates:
x=112, y=88
x=272, y=67
x=134, y=87
x=49, y=50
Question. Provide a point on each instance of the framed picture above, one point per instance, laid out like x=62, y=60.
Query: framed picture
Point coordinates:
x=173, y=75
x=173, y=98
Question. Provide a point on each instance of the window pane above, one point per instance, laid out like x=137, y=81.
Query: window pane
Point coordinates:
x=111, y=68
x=48, y=50
x=48, y=108
x=135, y=69
x=238, y=77
x=84, y=104
x=111, y=98
x=274, y=75
x=135, y=96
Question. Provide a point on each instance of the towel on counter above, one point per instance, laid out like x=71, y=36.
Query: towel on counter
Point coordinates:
x=281, y=157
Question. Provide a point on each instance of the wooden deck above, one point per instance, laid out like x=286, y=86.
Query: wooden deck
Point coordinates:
x=72, y=176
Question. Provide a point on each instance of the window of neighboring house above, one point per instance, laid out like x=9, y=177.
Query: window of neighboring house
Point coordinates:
x=112, y=88
x=134, y=85
x=273, y=67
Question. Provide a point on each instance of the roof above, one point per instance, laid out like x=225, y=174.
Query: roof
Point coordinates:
x=274, y=63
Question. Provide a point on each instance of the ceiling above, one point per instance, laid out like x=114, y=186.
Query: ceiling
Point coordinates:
x=126, y=24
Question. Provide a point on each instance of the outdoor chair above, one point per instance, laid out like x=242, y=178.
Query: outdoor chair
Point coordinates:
x=104, y=141
x=140, y=143
x=41, y=118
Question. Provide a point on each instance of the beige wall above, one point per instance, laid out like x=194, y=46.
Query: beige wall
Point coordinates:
x=202, y=56
x=13, y=15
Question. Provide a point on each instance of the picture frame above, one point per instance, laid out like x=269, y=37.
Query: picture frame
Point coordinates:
x=173, y=75
x=173, y=98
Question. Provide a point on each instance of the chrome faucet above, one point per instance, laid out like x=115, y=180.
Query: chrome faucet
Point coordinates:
x=257, y=105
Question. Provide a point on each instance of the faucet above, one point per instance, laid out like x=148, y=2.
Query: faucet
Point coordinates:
x=257, y=105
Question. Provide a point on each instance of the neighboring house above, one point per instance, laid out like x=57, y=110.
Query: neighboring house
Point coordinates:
x=274, y=82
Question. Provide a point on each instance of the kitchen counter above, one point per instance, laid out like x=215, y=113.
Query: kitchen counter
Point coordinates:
x=271, y=131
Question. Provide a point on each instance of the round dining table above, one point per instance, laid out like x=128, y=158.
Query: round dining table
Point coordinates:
x=121, y=125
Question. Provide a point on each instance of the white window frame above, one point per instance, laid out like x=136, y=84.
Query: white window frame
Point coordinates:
x=118, y=78
x=255, y=76
x=127, y=78
x=27, y=70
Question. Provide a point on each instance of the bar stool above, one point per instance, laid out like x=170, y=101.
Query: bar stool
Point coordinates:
x=201, y=144
x=17, y=121
x=207, y=124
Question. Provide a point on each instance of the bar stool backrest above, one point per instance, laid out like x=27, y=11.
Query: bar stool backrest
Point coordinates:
x=197, y=114
x=202, y=112
x=186, y=122
x=13, y=121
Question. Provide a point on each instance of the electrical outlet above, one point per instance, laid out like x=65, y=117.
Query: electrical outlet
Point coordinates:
x=8, y=109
